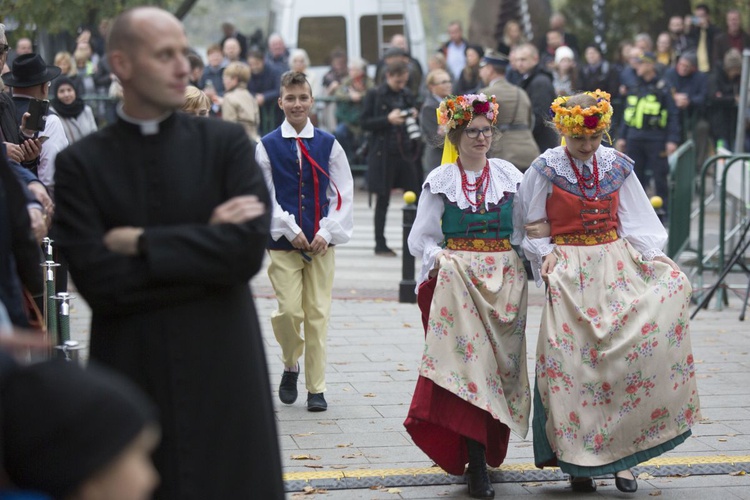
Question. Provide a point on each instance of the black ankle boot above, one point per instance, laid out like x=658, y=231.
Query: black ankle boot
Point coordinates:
x=476, y=474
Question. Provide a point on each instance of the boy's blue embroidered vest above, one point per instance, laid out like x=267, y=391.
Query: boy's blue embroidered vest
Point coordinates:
x=295, y=187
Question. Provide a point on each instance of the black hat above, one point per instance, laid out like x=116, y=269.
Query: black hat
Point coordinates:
x=494, y=58
x=61, y=424
x=647, y=57
x=30, y=70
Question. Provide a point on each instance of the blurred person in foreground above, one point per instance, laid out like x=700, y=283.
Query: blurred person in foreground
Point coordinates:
x=161, y=244
x=70, y=433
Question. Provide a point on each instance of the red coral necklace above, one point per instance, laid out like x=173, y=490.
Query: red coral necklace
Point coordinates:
x=590, y=182
x=481, y=183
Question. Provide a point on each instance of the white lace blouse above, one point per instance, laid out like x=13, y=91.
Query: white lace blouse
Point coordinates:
x=637, y=221
x=426, y=236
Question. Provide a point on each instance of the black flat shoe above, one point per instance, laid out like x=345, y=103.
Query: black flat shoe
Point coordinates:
x=626, y=485
x=583, y=484
x=288, y=387
x=316, y=402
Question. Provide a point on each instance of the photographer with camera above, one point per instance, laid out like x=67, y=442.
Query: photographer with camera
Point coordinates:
x=30, y=79
x=394, y=149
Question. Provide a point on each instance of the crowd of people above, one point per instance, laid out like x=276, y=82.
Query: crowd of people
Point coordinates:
x=163, y=241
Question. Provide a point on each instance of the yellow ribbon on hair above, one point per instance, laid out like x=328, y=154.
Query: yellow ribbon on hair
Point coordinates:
x=562, y=140
x=450, y=153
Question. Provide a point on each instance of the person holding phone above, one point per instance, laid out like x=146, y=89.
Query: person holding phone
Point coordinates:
x=30, y=78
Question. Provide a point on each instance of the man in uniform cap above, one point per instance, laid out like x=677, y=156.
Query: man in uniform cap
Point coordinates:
x=516, y=143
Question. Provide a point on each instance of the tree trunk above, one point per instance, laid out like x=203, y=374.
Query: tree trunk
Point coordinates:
x=489, y=16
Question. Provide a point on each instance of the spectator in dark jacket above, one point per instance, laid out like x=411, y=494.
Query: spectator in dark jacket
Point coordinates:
x=264, y=84
x=688, y=87
x=537, y=82
x=723, y=98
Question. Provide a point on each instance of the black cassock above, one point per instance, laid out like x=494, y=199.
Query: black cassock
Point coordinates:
x=179, y=320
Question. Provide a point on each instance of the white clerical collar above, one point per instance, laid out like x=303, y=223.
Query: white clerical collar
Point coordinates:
x=148, y=127
x=287, y=131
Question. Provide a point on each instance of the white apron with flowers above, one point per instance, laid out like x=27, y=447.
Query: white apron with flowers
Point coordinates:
x=614, y=368
x=475, y=343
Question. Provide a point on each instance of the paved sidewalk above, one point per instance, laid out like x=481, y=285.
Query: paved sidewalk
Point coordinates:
x=359, y=449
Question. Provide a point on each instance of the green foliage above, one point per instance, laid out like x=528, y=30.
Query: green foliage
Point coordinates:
x=66, y=15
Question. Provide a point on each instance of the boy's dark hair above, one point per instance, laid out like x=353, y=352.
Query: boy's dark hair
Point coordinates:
x=292, y=78
x=195, y=61
x=396, y=68
x=255, y=54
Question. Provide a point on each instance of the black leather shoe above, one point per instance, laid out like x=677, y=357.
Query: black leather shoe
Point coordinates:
x=626, y=485
x=477, y=477
x=316, y=402
x=479, y=483
x=583, y=484
x=288, y=387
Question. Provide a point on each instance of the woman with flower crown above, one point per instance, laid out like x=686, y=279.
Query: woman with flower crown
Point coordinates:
x=473, y=385
x=615, y=382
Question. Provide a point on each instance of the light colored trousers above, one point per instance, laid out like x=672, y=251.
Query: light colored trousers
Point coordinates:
x=303, y=292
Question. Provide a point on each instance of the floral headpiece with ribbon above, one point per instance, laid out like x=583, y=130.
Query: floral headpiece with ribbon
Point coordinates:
x=459, y=110
x=578, y=121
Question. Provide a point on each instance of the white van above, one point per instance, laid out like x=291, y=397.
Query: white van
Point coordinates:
x=362, y=28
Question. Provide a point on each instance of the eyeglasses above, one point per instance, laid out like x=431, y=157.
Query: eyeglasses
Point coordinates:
x=4, y=48
x=473, y=133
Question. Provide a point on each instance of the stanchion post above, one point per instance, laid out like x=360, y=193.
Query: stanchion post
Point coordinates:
x=64, y=323
x=50, y=306
x=407, y=285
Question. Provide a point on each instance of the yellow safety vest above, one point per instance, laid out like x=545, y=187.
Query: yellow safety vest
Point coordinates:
x=645, y=112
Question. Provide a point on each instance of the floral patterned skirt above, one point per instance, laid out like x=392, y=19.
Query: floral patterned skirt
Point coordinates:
x=474, y=357
x=615, y=380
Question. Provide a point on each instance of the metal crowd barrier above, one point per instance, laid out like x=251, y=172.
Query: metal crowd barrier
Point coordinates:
x=714, y=259
x=57, y=310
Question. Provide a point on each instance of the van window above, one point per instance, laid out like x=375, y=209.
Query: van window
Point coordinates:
x=393, y=24
x=321, y=35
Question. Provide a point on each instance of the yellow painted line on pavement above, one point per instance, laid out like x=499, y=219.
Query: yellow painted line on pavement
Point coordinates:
x=520, y=467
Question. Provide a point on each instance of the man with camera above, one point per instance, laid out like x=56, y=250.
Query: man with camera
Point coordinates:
x=394, y=150
x=30, y=79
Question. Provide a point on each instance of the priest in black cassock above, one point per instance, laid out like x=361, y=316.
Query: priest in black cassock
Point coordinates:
x=162, y=217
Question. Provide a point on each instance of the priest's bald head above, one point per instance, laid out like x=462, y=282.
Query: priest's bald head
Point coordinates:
x=147, y=51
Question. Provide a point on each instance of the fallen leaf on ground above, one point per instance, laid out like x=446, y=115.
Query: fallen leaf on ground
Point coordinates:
x=656, y=493
x=738, y=473
x=309, y=490
x=370, y=395
x=352, y=455
x=393, y=491
x=645, y=475
x=302, y=434
x=339, y=466
x=314, y=466
x=305, y=457
x=343, y=445
x=722, y=440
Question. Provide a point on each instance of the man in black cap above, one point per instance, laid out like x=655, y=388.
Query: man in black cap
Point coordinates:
x=30, y=79
x=515, y=116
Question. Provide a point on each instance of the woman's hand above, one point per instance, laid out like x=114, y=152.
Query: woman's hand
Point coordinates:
x=441, y=255
x=537, y=229
x=548, y=265
x=667, y=260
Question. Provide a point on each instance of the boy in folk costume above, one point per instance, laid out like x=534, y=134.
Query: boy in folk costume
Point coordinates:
x=311, y=188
